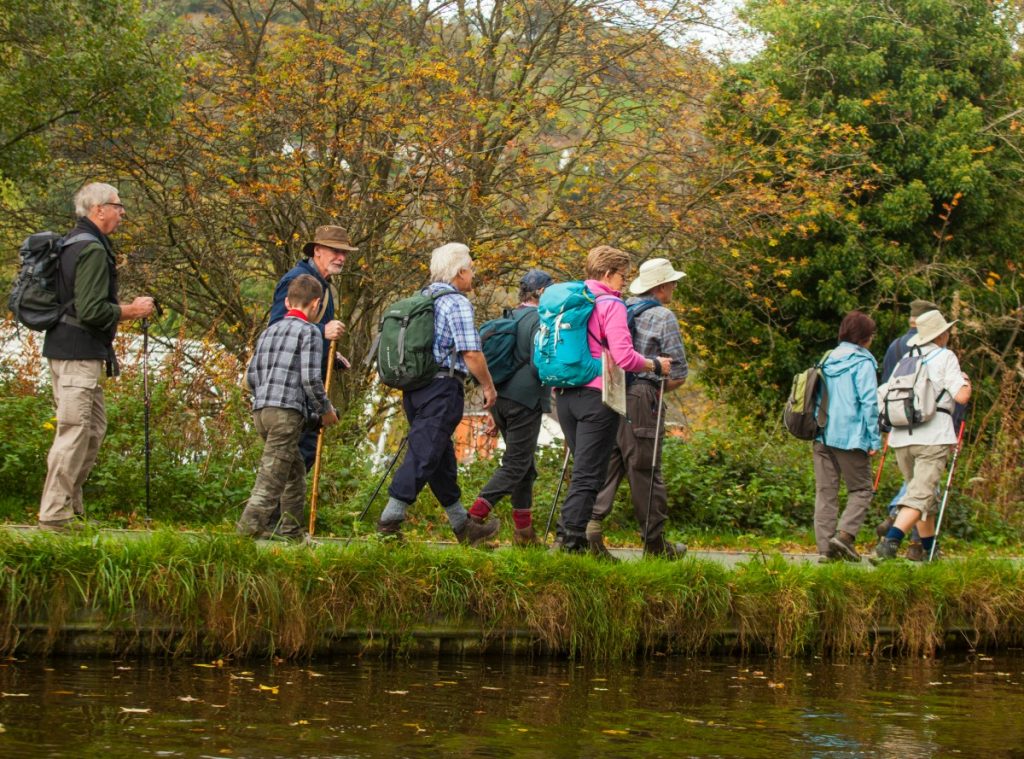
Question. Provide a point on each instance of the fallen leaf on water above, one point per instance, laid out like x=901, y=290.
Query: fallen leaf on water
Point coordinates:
x=134, y=710
x=205, y=666
x=418, y=728
x=13, y=695
x=271, y=688
x=239, y=677
x=2, y=729
x=615, y=732
x=300, y=722
x=776, y=685
x=83, y=666
x=62, y=693
x=397, y=692
x=490, y=687
x=188, y=699
x=219, y=706
x=311, y=673
x=124, y=669
x=601, y=689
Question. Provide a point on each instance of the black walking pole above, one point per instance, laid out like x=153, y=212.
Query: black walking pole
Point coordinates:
x=558, y=492
x=146, y=396
x=654, y=458
x=398, y=453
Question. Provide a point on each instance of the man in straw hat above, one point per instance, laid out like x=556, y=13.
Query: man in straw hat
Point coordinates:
x=325, y=256
x=922, y=451
x=655, y=332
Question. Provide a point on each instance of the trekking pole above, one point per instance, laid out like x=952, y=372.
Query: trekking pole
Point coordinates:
x=394, y=460
x=945, y=495
x=320, y=441
x=146, y=400
x=881, y=463
x=558, y=492
x=654, y=458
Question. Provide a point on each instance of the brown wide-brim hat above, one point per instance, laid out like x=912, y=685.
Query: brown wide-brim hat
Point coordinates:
x=330, y=236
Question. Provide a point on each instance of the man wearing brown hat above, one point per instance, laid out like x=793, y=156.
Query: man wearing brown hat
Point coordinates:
x=655, y=332
x=325, y=256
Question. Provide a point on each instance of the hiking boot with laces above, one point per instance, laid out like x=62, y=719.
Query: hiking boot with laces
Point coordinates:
x=915, y=552
x=886, y=549
x=843, y=542
x=665, y=549
x=391, y=529
x=525, y=536
x=883, y=527
x=477, y=531
x=595, y=541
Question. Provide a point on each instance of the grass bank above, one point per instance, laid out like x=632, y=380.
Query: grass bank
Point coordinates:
x=222, y=596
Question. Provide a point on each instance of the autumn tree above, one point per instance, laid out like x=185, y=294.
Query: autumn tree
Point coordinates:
x=872, y=153
x=529, y=130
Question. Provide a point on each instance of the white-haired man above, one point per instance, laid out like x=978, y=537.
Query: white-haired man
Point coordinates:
x=80, y=350
x=435, y=410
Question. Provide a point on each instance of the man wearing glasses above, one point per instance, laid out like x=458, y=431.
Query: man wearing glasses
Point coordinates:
x=325, y=256
x=80, y=350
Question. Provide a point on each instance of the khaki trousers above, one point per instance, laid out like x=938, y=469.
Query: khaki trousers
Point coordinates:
x=855, y=469
x=81, y=425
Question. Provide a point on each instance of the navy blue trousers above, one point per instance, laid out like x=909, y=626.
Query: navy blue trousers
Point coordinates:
x=433, y=412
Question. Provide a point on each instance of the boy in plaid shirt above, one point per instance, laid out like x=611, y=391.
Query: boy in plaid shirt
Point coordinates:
x=288, y=394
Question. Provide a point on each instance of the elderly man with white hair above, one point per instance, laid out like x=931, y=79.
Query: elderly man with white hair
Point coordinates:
x=435, y=410
x=80, y=350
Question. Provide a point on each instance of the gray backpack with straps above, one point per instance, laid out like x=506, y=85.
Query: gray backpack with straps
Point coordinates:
x=33, y=299
x=909, y=398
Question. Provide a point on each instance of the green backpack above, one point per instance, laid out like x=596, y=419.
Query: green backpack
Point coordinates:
x=405, y=345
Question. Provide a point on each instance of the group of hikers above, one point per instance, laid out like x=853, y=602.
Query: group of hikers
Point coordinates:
x=601, y=363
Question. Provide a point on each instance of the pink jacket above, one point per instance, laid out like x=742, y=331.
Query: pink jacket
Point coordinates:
x=608, y=322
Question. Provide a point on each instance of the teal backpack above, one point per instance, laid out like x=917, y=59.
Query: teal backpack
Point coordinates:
x=560, y=350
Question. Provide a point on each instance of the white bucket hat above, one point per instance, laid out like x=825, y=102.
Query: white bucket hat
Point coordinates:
x=930, y=325
x=654, y=272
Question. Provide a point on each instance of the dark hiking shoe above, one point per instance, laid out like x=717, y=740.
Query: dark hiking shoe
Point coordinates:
x=525, y=536
x=390, y=530
x=915, y=551
x=595, y=542
x=63, y=525
x=883, y=527
x=477, y=531
x=663, y=548
x=924, y=554
x=885, y=551
x=570, y=544
x=842, y=543
x=828, y=558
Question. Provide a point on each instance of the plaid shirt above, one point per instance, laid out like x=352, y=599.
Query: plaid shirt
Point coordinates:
x=285, y=369
x=657, y=334
x=453, y=327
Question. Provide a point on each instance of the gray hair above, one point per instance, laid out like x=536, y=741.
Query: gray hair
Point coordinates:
x=447, y=261
x=92, y=195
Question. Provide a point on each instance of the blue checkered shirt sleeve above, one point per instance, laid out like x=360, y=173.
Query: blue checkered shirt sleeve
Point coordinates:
x=657, y=334
x=454, y=329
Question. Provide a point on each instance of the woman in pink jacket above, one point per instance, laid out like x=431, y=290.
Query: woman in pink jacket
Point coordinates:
x=590, y=427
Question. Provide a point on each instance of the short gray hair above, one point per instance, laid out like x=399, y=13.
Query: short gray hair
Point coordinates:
x=447, y=261
x=92, y=195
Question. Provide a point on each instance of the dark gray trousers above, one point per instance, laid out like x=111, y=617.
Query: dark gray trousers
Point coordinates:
x=519, y=427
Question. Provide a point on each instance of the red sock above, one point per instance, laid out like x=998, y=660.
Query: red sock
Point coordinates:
x=523, y=518
x=480, y=509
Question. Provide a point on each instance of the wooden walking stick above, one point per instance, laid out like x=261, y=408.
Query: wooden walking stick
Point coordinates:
x=320, y=442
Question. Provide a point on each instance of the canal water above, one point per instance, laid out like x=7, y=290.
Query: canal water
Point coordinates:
x=963, y=705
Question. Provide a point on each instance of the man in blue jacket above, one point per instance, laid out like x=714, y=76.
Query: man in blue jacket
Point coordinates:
x=325, y=256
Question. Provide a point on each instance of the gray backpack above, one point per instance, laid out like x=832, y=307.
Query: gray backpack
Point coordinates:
x=909, y=398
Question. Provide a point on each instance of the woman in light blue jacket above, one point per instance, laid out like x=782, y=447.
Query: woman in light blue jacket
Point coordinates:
x=850, y=437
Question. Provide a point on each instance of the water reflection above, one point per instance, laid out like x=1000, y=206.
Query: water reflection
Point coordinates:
x=968, y=706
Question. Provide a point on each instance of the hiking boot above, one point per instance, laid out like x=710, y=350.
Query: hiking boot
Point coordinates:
x=883, y=527
x=477, y=531
x=828, y=558
x=525, y=536
x=886, y=550
x=663, y=548
x=842, y=542
x=390, y=530
x=915, y=551
x=595, y=541
x=64, y=525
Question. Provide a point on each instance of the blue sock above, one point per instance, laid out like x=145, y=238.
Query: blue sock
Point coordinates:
x=895, y=533
x=927, y=543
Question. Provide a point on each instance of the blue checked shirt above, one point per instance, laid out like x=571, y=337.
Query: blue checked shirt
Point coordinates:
x=453, y=327
x=285, y=369
x=657, y=334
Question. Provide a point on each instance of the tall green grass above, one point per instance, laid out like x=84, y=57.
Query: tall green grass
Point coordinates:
x=219, y=595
